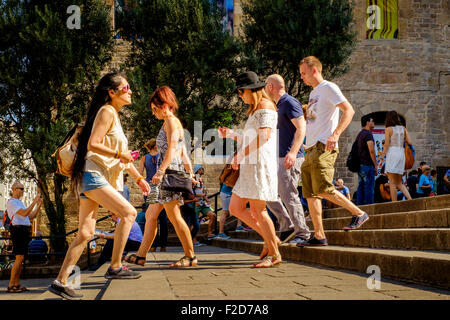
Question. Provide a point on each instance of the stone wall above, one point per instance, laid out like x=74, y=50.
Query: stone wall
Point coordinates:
x=410, y=75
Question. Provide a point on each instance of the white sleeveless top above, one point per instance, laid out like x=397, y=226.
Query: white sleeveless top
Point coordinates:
x=108, y=167
x=398, y=137
x=395, y=156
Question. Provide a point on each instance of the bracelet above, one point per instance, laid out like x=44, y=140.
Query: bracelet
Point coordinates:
x=139, y=179
x=160, y=172
x=117, y=155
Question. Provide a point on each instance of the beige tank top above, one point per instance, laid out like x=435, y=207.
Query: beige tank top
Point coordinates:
x=110, y=168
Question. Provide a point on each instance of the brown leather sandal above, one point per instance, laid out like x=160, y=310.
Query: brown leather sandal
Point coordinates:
x=192, y=262
x=140, y=261
x=16, y=289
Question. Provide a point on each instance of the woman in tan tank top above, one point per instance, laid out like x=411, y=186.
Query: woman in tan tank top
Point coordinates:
x=97, y=177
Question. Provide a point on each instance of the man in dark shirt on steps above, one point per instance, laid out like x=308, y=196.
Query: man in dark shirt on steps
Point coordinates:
x=366, y=152
x=291, y=129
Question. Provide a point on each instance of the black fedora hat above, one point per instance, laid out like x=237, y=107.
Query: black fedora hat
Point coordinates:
x=249, y=80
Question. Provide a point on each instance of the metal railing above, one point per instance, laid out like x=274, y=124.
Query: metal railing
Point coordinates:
x=50, y=237
x=216, y=211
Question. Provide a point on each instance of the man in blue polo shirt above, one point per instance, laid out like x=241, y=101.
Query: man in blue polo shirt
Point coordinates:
x=291, y=133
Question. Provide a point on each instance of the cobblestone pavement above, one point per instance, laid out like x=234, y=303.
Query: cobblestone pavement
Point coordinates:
x=225, y=274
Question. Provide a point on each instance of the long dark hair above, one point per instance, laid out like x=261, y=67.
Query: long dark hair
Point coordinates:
x=100, y=98
x=392, y=119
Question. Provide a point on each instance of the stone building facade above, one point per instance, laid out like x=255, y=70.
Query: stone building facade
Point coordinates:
x=410, y=74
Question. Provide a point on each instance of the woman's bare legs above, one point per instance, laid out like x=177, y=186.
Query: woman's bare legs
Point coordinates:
x=258, y=209
x=392, y=187
x=151, y=228
x=257, y=219
x=395, y=183
x=86, y=226
x=174, y=214
x=238, y=209
x=111, y=200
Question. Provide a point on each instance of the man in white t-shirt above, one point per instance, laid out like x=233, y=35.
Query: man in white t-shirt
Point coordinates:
x=21, y=217
x=323, y=130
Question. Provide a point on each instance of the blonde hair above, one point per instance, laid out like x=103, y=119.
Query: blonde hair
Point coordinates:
x=150, y=144
x=311, y=62
x=257, y=96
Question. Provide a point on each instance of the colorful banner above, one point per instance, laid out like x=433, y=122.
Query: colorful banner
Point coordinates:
x=378, y=136
x=381, y=19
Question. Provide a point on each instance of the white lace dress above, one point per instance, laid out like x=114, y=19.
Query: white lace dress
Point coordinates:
x=395, y=156
x=258, y=171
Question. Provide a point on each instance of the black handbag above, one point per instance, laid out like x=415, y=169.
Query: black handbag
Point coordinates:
x=177, y=181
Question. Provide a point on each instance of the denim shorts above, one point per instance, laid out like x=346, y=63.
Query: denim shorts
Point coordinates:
x=226, y=198
x=91, y=181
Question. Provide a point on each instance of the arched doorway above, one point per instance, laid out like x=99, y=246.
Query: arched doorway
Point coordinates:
x=379, y=118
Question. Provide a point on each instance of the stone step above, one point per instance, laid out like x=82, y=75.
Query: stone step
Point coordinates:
x=429, y=203
x=438, y=218
x=422, y=267
x=415, y=239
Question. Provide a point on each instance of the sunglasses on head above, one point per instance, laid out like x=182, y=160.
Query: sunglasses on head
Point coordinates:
x=125, y=89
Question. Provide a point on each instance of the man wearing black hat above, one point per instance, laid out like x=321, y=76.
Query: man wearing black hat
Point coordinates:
x=291, y=133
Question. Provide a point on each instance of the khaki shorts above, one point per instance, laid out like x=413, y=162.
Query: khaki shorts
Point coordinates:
x=203, y=211
x=318, y=171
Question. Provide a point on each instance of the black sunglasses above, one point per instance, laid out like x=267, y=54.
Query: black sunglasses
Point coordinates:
x=241, y=91
x=20, y=188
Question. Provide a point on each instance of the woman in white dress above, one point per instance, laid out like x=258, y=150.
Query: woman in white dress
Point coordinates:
x=257, y=157
x=395, y=137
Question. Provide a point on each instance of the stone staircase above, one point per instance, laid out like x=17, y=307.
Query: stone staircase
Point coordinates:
x=408, y=240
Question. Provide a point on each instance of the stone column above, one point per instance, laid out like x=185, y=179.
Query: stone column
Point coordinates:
x=237, y=16
x=111, y=3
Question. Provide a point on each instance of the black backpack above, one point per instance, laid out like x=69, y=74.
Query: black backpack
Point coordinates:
x=7, y=222
x=353, y=161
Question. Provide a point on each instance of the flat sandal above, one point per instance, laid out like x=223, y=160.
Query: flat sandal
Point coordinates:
x=136, y=259
x=180, y=263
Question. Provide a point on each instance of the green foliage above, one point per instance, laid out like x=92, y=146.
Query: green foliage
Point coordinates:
x=48, y=75
x=279, y=33
x=182, y=44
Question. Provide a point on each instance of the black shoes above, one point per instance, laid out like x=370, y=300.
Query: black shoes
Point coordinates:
x=122, y=273
x=357, y=221
x=64, y=292
x=313, y=242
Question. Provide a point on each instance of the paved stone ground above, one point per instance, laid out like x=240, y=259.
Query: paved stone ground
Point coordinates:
x=225, y=274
